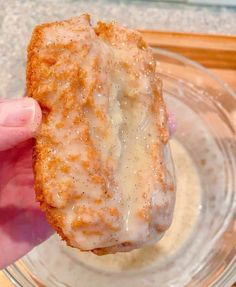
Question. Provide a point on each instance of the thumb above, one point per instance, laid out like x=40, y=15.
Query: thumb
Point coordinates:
x=19, y=120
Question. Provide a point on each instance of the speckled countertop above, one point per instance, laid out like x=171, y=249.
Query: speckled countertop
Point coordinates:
x=142, y=14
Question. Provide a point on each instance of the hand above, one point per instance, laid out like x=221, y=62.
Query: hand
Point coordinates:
x=22, y=224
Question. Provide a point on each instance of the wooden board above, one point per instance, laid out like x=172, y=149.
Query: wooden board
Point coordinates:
x=217, y=53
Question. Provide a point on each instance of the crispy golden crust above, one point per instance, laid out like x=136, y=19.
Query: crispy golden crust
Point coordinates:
x=71, y=72
x=35, y=76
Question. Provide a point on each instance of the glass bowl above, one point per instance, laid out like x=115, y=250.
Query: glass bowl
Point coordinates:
x=199, y=249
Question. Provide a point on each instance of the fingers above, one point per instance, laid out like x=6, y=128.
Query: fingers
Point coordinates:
x=21, y=234
x=22, y=224
x=19, y=120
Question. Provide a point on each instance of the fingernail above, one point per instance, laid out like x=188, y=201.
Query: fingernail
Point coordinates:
x=18, y=113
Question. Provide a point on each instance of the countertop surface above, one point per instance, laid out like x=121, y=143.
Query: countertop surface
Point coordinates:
x=142, y=14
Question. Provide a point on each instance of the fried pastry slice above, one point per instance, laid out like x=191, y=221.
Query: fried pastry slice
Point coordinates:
x=103, y=171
